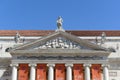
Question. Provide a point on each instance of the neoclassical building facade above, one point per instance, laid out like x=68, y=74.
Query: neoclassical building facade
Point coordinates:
x=59, y=55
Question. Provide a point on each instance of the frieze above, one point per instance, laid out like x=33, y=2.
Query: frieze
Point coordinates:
x=61, y=58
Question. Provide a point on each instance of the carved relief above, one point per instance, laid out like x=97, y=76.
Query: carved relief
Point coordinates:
x=60, y=42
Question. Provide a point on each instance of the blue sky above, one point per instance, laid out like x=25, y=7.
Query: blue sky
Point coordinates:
x=76, y=14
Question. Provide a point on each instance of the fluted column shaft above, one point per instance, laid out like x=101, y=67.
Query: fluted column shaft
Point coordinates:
x=32, y=71
x=14, y=71
x=50, y=71
x=69, y=71
x=105, y=72
x=87, y=71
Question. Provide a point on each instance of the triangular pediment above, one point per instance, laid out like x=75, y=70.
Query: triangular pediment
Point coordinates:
x=60, y=40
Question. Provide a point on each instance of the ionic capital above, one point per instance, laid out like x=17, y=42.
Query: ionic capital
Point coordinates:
x=32, y=65
x=69, y=65
x=50, y=65
x=87, y=65
x=105, y=65
x=14, y=65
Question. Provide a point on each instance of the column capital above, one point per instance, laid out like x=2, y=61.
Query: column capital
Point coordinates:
x=69, y=65
x=87, y=65
x=50, y=65
x=14, y=65
x=105, y=65
x=33, y=65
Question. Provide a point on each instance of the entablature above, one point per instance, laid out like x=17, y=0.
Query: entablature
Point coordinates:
x=58, y=52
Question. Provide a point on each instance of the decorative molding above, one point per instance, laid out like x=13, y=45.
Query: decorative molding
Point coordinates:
x=61, y=58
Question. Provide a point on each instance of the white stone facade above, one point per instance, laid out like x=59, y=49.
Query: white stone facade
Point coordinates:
x=6, y=58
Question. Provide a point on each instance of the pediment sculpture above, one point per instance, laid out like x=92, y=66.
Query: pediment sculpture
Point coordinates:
x=61, y=43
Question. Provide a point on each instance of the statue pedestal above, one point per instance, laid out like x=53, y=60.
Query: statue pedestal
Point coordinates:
x=60, y=29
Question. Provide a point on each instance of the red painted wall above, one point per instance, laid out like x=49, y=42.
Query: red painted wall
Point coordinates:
x=60, y=72
x=96, y=72
x=41, y=72
x=78, y=73
x=23, y=72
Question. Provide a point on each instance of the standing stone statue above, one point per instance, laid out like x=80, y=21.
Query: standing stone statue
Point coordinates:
x=59, y=23
x=103, y=37
x=17, y=37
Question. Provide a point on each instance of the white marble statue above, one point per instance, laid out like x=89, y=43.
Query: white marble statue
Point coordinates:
x=103, y=37
x=17, y=37
x=59, y=23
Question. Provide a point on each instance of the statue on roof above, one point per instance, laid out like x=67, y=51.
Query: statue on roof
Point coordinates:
x=59, y=23
x=103, y=37
x=17, y=37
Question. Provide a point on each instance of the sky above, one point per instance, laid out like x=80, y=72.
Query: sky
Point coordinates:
x=76, y=14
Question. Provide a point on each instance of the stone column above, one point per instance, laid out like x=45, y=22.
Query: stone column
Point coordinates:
x=105, y=72
x=14, y=71
x=87, y=71
x=69, y=71
x=50, y=71
x=32, y=71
